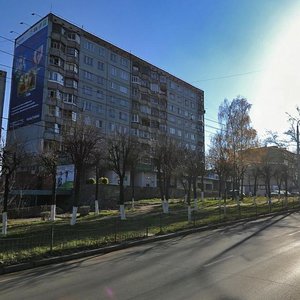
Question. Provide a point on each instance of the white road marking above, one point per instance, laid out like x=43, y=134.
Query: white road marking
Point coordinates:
x=294, y=232
x=217, y=261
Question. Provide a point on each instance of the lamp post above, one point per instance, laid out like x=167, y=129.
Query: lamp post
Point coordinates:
x=23, y=23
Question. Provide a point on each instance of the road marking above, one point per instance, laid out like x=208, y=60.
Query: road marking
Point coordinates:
x=217, y=261
x=294, y=232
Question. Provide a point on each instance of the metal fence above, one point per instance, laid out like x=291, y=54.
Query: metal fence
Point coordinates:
x=57, y=238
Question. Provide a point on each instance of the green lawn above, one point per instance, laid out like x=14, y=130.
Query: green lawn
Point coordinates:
x=33, y=238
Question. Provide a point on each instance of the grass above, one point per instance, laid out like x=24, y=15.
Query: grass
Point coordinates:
x=33, y=239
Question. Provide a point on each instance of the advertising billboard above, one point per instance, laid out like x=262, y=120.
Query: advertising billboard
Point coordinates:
x=28, y=77
x=65, y=176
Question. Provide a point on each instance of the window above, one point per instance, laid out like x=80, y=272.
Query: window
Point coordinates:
x=113, y=71
x=100, y=80
x=136, y=79
x=74, y=116
x=73, y=37
x=163, y=127
x=113, y=57
x=87, y=90
x=113, y=85
x=123, y=116
x=58, y=45
x=154, y=87
x=101, y=65
x=57, y=77
x=88, y=75
x=89, y=46
x=124, y=75
x=112, y=127
x=56, y=128
x=70, y=98
x=100, y=94
x=112, y=113
x=135, y=118
x=101, y=51
x=171, y=118
x=163, y=79
x=72, y=52
x=98, y=123
x=172, y=130
x=55, y=94
x=100, y=109
x=88, y=60
x=71, y=67
x=123, y=89
x=123, y=102
x=179, y=132
x=124, y=62
x=87, y=120
x=145, y=109
x=71, y=83
x=87, y=105
x=56, y=61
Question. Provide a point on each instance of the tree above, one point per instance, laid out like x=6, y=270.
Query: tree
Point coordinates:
x=239, y=135
x=49, y=161
x=11, y=157
x=121, y=152
x=165, y=157
x=79, y=141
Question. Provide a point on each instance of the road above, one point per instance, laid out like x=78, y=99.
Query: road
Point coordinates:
x=251, y=260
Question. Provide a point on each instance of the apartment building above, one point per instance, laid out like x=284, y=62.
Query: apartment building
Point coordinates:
x=62, y=72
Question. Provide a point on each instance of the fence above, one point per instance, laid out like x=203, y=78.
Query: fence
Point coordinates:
x=57, y=238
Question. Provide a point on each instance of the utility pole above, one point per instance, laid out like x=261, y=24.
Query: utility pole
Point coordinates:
x=298, y=158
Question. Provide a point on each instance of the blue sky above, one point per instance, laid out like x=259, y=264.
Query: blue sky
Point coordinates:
x=225, y=47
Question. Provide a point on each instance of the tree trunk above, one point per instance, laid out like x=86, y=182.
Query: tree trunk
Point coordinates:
x=195, y=193
x=121, y=190
x=53, y=200
x=132, y=188
x=97, y=192
x=189, y=214
x=5, y=201
x=76, y=195
x=122, y=212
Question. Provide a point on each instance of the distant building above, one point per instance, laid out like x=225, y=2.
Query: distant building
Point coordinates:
x=2, y=95
x=62, y=71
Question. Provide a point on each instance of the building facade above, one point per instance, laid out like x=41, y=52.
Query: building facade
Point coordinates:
x=3, y=76
x=62, y=72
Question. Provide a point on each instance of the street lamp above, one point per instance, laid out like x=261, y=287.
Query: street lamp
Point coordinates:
x=23, y=23
x=35, y=14
x=12, y=31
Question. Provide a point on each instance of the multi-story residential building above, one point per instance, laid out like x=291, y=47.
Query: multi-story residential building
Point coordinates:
x=2, y=94
x=61, y=71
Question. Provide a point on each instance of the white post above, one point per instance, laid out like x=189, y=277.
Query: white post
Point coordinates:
x=165, y=206
x=185, y=198
x=122, y=212
x=132, y=202
x=53, y=212
x=189, y=214
x=74, y=214
x=96, y=207
x=4, y=223
x=195, y=204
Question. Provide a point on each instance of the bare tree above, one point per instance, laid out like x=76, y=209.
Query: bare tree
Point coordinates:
x=165, y=157
x=79, y=141
x=49, y=161
x=121, y=152
x=11, y=157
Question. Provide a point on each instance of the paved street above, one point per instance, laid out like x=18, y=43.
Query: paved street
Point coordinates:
x=256, y=260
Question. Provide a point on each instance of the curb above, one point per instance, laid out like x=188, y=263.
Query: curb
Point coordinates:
x=129, y=244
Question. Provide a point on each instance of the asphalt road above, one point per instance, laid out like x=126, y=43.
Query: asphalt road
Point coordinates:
x=254, y=260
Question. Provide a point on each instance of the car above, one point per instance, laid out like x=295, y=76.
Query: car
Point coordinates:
x=281, y=193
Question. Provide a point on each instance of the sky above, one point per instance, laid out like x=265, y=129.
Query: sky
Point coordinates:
x=227, y=48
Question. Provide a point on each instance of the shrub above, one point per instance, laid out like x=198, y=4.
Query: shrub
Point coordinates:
x=103, y=180
x=91, y=181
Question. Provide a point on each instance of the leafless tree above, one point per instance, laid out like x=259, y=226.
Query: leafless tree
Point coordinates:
x=79, y=141
x=121, y=149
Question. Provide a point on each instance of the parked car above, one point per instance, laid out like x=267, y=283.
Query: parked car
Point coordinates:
x=235, y=193
x=281, y=193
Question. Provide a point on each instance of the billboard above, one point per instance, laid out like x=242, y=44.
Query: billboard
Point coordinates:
x=65, y=176
x=28, y=77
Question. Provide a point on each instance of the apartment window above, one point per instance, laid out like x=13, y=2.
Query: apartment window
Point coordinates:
x=56, y=128
x=113, y=57
x=124, y=75
x=71, y=83
x=70, y=98
x=193, y=136
x=173, y=85
x=56, y=61
x=123, y=89
x=154, y=101
x=57, y=77
x=172, y=130
x=58, y=45
x=100, y=94
x=98, y=123
x=163, y=79
x=179, y=132
x=124, y=62
x=55, y=94
x=72, y=36
x=154, y=75
x=135, y=118
x=111, y=127
x=123, y=116
x=87, y=90
x=87, y=106
x=74, y=116
x=154, y=112
x=100, y=109
x=136, y=79
x=101, y=51
x=88, y=75
x=163, y=127
x=134, y=131
x=113, y=71
x=89, y=46
x=71, y=67
x=72, y=52
x=172, y=118
x=87, y=120
x=154, y=87
x=101, y=65
x=100, y=80
x=88, y=60
x=112, y=113
x=113, y=85
x=145, y=109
